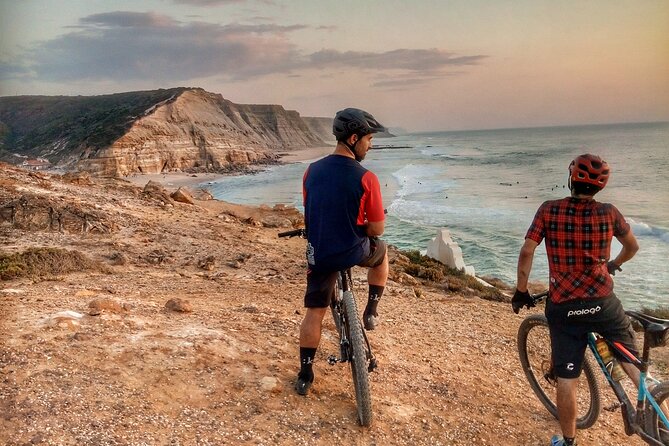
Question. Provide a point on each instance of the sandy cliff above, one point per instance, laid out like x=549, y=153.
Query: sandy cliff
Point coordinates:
x=202, y=131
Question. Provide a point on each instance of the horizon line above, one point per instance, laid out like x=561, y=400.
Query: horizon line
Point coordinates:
x=538, y=127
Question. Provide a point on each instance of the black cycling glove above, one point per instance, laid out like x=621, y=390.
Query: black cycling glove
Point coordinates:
x=613, y=267
x=520, y=299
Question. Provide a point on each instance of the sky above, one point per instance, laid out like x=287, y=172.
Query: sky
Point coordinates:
x=422, y=65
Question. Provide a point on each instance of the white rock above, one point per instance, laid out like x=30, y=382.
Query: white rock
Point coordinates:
x=12, y=291
x=444, y=249
x=268, y=383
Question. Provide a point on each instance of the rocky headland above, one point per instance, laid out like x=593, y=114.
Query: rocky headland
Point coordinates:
x=179, y=129
x=136, y=315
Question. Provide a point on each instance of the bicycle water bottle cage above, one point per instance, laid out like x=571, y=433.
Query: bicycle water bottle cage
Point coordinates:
x=656, y=329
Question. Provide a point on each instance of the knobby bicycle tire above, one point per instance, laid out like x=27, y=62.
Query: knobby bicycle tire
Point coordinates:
x=654, y=427
x=534, y=349
x=358, y=360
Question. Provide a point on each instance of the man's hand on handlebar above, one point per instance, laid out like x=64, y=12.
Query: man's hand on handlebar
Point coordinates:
x=521, y=299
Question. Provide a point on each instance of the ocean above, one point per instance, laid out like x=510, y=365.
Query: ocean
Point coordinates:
x=485, y=186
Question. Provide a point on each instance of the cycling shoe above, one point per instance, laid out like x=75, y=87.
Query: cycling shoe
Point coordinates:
x=302, y=385
x=559, y=441
x=370, y=321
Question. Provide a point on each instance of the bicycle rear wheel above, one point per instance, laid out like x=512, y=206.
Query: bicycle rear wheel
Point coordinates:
x=534, y=349
x=358, y=360
x=654, y=426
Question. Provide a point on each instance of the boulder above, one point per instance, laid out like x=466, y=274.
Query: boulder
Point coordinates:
x=183, y=196
x=104, y=304
x=179, y=305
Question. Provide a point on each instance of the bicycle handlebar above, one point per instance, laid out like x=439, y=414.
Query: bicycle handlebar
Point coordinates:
x=294, y=233
x=534, y=300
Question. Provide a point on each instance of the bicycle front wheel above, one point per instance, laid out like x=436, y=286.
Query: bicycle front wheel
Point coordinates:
x=655, y=427
x=534, y=349
x=358, y=360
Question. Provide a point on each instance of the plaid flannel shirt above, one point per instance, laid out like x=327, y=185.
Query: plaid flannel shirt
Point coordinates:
x=578, y=235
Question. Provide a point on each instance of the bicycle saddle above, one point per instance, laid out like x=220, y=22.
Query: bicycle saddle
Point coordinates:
x=657, y=330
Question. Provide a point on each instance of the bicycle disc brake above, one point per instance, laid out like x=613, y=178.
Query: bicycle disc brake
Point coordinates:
x=547, y=371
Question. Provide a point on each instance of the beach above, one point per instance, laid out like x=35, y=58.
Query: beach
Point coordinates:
x=175, y=180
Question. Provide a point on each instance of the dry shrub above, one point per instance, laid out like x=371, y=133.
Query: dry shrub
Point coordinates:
x=41, y=262
x=445, y=277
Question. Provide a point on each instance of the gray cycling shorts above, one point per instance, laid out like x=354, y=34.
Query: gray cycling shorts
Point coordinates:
x=320, y=284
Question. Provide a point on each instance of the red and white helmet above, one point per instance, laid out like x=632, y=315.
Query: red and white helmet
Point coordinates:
x=589, y=169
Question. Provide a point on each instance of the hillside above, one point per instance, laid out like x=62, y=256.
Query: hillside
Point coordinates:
x=149, y=131
x=216, y=366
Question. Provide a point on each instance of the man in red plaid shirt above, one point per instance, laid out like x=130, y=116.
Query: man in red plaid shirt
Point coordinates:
x=578, y=231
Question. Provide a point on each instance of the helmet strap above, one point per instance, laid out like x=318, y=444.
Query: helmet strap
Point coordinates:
x=352, y=148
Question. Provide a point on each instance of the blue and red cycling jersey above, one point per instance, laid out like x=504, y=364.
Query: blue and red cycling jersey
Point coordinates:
x=339, y=197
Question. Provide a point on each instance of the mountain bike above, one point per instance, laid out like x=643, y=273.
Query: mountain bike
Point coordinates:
x=354, y=346
x=645, y=419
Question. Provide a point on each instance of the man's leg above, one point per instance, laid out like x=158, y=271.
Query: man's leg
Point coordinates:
x=310, y=337
x=566, y=405
x=310, y=329
x=376, y=279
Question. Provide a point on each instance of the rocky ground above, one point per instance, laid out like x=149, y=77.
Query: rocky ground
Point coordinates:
x=99, y=357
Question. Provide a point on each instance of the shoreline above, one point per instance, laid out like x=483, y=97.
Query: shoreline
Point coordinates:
x=175, y=180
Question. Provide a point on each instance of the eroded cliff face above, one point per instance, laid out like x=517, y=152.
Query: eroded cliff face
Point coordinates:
x=203, y=131
x=321, y=127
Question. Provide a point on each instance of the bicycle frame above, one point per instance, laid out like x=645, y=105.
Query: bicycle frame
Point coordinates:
x=633, y=418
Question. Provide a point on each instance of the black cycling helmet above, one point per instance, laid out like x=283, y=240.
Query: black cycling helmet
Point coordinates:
x=353, y=121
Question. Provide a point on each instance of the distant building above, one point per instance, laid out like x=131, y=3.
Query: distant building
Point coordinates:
x=36, y=164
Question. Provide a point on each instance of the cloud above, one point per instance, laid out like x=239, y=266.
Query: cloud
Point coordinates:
x=9, y=70
x=129, y=46
x=128, y=19
x=405, y=59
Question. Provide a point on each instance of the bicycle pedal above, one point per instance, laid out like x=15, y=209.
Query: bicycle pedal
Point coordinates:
x=612, y=407
x=332, y=360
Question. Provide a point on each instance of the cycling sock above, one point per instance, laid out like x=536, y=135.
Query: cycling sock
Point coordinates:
x=307, y=355
x=375, y=293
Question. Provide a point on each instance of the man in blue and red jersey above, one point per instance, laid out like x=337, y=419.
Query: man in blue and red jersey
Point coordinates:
x=578, y=231
x=343, y=214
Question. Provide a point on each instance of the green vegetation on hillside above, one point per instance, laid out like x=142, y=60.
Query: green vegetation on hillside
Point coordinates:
x=44, y=262
x=33, y=125
x=435, y=273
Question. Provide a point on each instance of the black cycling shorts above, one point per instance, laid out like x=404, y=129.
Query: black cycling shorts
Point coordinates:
x=320, y=284
x=569, y=324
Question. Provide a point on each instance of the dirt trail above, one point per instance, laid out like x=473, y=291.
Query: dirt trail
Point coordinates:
x=139, y=374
